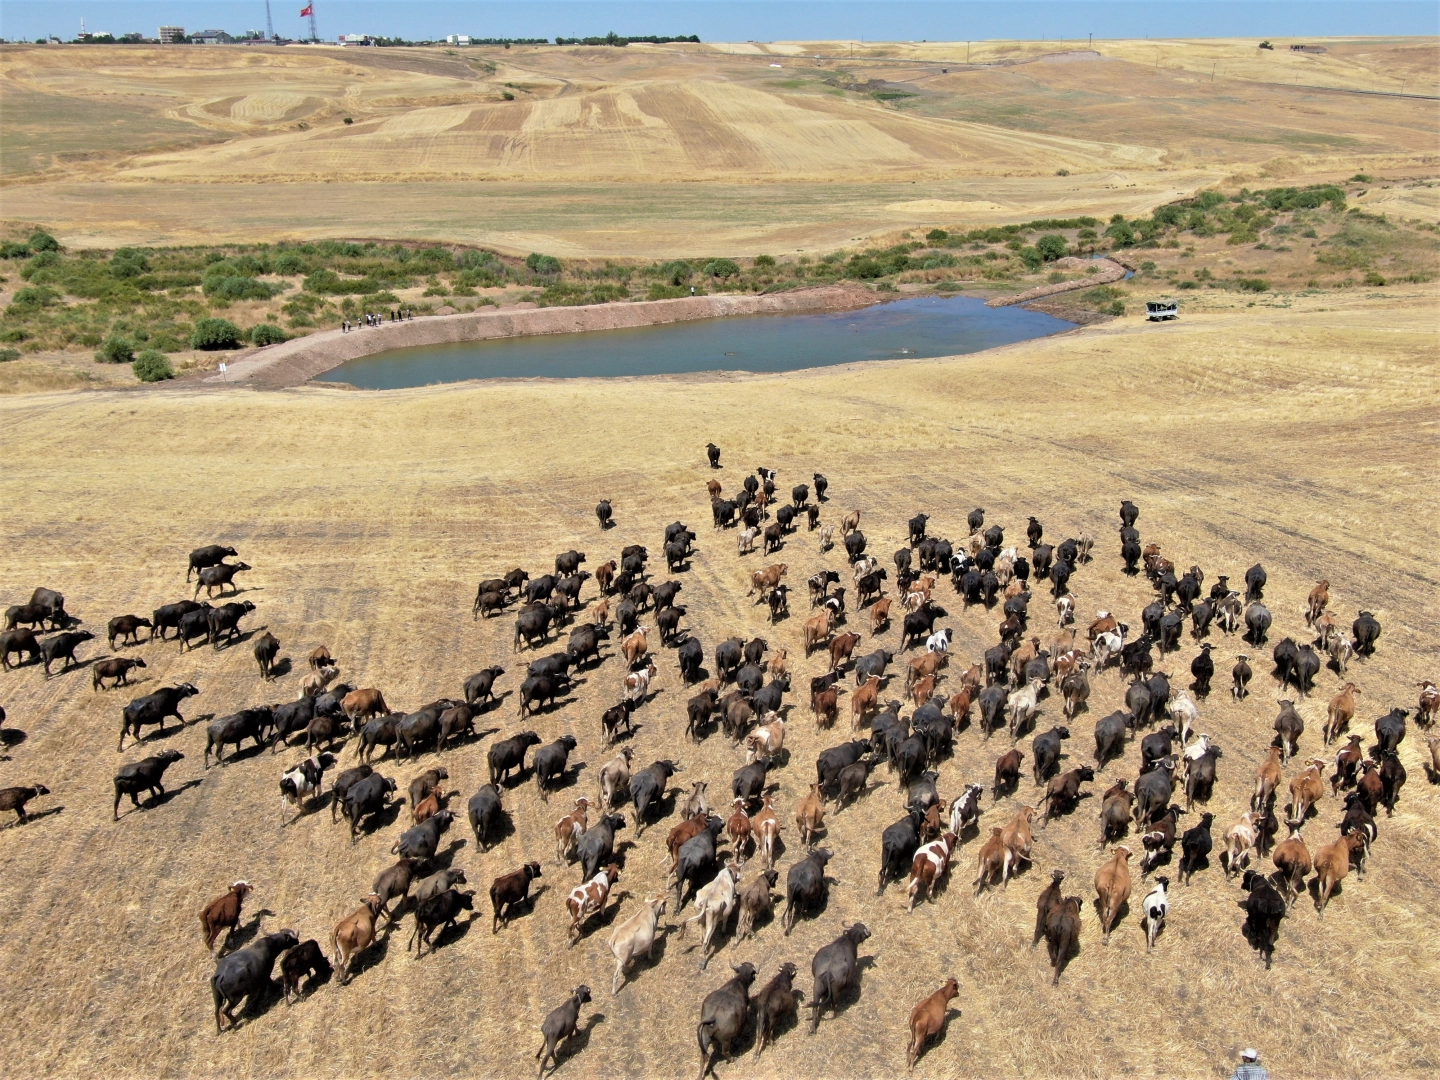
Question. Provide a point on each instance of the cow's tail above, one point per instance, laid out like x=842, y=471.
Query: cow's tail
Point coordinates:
x=705, y=1035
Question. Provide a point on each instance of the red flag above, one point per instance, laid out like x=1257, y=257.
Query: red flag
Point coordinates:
x=308, y=9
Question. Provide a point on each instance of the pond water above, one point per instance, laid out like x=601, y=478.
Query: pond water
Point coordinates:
x=913, y=328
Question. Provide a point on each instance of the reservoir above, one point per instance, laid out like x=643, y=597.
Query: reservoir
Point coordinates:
x=902, y=329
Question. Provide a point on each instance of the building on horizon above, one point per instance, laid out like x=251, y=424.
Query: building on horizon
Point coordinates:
x=211, y=37
x=457, y=39
x=172, y=35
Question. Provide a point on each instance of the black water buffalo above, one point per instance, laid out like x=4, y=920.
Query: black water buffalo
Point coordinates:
x=724, y=1014
x=647, y=788
x=422, y=841
x=143, y=775
x=368, y=795
x=125, y=627
x=236, y=728
x=538, y=690
x=1110, y=737
x=153, y=709
x=920, y=624
x=479, y=687
x=835, y=968
x=568, y=562
x=168, y=617
x=691, y=655
x=898, y=844
x=695, y=861
x=218, y=576
x=1366, y=631
x=246, y=973
x=510, y=754
x=855, y=544
x=487, y=816
x=225, y=620
x=830, y=762
x=596, y=847
x=603, y=513
x=62, y=647
x=728, y=655
x=211, y=555
x=550, y=763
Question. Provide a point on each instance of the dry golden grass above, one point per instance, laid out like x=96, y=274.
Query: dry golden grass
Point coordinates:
x=599, y=151
x=1302, y=438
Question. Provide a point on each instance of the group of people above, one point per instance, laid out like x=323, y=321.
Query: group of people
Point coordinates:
x=369, y=319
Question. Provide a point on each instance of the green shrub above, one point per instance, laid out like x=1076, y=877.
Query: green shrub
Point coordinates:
x=230, y=287
x=1121, y=232
x=40, y=261
x=668, y=292
x=1373, y=278
x=1252, y=284
x=542, y=264
x=40, y=240
x=128, y=263
x=115, y=350
x=1117, y=308
x=723, y=268
x=563, y=294
x=1085, y=234
x=676, y=272
x=215, y=334
x=605, y=293
x=1062, y=172
x=1051, y=247
x=289, y=264
x=33, y=298
x=9, y=250
x=1031, y=257
x=6, y=355
x=937, y=234
x=152, y=366
x=267, y=334
x=1189, y=285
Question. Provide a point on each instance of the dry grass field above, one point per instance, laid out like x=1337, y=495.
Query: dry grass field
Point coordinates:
x=598, y=151
x=1301, y=437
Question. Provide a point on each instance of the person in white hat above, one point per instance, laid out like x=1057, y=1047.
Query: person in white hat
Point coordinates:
x=1249, y=1067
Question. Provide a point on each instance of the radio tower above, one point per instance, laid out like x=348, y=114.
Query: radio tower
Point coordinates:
x=269, y=24
x=314, y=34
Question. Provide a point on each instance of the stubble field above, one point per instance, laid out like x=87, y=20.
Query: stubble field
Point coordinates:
x=1303, y=439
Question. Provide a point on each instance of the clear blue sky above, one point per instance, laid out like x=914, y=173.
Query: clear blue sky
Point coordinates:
x=737, y=20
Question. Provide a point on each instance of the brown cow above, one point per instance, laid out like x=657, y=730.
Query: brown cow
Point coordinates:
x=1103, y=624
x=990, y=861
x=1347, y=763
x=1306, y=790
x=1319, y=597
x=923, y=690
x=589, y=899
x=1112, y=885
x=1018, y=842
x=928, y=1018
x=320, y=657
x=363, y=704
x=1267, y=780
x=737, y=828
x=817, y=629
x=429, y=806
x=354, y=934
x=766, y=825
x=223, y=913
x=864, y=699
x=841, y=647
x=1429, y=703
x=826, y=707
x=635, y=646
x=1332, y=863
x=879, y=615
x=1292, y=859
x=688, y=829
x=926, y=666
x=850, y=522
x=762, y=581
x=960, y=705
x=1341, y=712
x=810, y=815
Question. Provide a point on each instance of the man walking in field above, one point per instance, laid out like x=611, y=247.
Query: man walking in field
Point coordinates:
x=1249, y=1067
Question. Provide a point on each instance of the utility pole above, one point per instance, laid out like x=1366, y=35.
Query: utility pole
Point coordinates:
x=1212, y=72
x=269, y=23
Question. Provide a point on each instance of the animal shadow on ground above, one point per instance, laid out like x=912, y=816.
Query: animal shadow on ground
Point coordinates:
x=245, y=933
x=568, y=779
x=448, y=934
x=280, y=668
x=383, y=819
x=11, y=737
x=373, y=956
x=32, y=816
x=160, y=800
x=443, y=860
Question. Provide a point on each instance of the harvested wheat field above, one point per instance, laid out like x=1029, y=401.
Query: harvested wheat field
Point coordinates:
x=1303, y=439
x=660, y=150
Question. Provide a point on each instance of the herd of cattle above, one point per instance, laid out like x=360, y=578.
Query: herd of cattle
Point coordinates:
x=745, y=695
